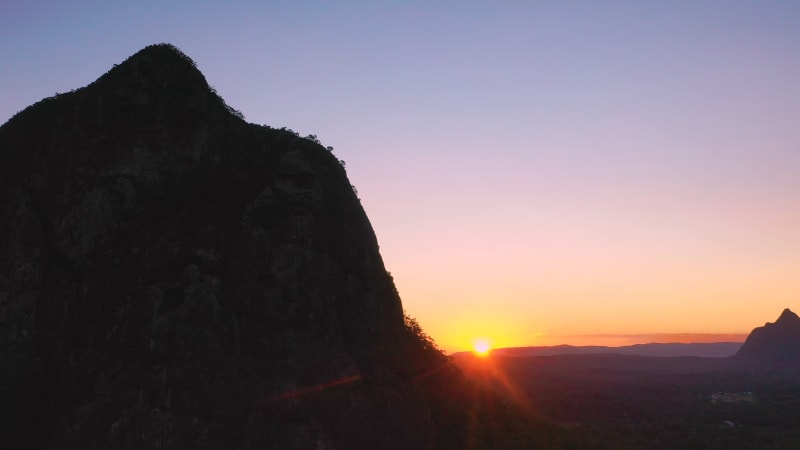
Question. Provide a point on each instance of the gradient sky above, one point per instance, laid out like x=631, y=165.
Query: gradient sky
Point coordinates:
x=537, y=172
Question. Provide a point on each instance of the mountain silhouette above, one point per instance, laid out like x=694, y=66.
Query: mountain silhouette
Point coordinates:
x=174, y=277
x=774, y=344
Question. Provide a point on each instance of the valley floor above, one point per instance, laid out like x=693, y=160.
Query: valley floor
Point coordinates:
x=616, y=402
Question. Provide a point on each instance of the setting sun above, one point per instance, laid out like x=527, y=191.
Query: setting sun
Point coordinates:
x=481, y=346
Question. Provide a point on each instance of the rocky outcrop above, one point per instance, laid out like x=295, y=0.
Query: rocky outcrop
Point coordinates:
x=775, y=345
x=174, y=277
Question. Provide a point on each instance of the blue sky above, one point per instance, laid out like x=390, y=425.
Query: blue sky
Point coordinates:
x=546, y=168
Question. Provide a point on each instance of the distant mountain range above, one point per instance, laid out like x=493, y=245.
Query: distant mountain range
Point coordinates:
x=705, y=350
x=775, y=345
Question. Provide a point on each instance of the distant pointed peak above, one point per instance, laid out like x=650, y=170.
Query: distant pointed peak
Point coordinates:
x=787, y=316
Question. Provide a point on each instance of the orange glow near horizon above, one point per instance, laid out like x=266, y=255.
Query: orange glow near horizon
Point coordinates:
x=483, y=346
x=530, y=314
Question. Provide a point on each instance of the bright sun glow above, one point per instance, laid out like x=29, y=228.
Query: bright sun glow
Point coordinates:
x=481, y=346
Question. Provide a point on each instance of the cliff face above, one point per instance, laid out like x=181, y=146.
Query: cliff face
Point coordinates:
x=775, y=344
x=173, y=277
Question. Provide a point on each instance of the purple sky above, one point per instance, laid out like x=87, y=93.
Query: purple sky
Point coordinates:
x=530, y=168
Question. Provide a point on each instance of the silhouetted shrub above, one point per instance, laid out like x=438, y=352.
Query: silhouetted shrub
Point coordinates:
x=427, y=342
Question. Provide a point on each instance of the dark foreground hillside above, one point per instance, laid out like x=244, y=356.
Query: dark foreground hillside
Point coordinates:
x=173, y=277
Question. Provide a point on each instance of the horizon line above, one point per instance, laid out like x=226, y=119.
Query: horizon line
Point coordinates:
x=622, y=340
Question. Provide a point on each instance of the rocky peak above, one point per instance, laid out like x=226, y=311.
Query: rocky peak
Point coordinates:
x=173, y=277
x=161, y=73
x=788, y=318
x=774, y=344
x=157, y=66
